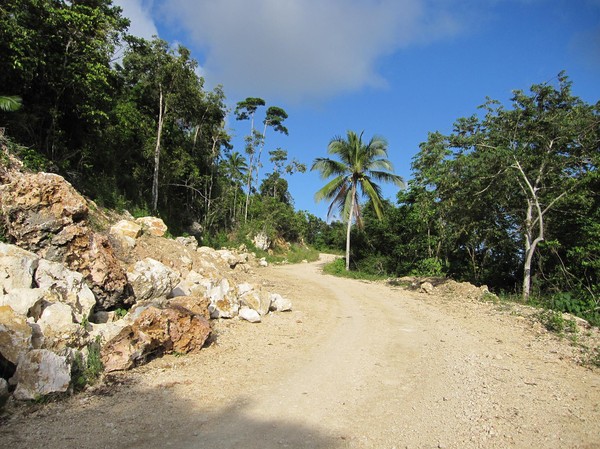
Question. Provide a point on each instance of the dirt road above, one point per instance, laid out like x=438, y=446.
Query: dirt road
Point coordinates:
x=355, y=365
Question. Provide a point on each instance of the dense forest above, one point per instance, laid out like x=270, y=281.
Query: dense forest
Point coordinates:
x=509, y=198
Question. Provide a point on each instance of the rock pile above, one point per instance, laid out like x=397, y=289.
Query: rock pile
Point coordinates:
x=65, y=288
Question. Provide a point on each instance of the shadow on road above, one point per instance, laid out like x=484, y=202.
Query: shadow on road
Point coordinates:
x=135, y=417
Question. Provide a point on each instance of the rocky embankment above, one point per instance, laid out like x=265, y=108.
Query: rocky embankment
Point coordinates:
x=77, y=288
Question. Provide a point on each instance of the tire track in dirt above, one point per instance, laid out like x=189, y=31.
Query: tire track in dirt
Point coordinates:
x=355, y=365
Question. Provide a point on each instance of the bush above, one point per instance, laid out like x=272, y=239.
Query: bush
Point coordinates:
x=554, y=321
x=428, y=267
x=338, y=268
x=88, y=371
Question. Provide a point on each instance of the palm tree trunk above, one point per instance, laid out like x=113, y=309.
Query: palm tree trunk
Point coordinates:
x=350, y=215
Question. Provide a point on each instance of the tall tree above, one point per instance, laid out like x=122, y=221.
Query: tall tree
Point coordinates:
x=360, y=164
x=56, y=55
x=255, y=141
x=546, y=142
x=166, y=81
x=501, y=183
x=246, y=110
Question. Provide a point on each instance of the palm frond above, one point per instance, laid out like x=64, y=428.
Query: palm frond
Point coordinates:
x=373, y=191
x=328, y=167
x=10, y=103
x=388, y=177
x=330, y=190
x=340, y=201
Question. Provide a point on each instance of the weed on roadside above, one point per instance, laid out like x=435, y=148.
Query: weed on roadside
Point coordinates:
x=87, y=371
x=554, y=321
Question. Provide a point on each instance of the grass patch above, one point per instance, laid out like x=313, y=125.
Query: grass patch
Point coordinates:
x=296, y=254
x=338, y=268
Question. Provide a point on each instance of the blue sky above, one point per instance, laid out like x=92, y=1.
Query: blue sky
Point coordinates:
x=396, y=68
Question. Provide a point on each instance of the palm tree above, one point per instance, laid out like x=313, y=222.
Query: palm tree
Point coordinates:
x=358, y=166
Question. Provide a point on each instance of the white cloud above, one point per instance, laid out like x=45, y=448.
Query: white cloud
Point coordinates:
x=139, y=13
x=303, y=49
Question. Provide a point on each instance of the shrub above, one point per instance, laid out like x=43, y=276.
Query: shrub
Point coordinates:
x=88, y=371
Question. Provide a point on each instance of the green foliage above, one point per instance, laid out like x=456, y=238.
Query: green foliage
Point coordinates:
x=582, y=306
x=295, y=254
x=554, y=321
x=120, y=312
x=338, y=268
x=510, y=193
x=430, y=266
x=10, y=103
x=88, y=371
x=32, y=160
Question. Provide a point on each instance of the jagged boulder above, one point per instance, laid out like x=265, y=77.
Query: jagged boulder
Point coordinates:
x=17, y=267
x=69, y=284
x=151, y=279
x=43, y=213
x=155, y=331
x=28, y=302
x=38, y=207
x=92, y=256
x=257, y=300
x=58, y=327
x=41, y=372
x=195, y=304
x=223, y=300
x=153, y=226
x=248, y=314
x=427, y=287
x=262, y=241
x=194, y=284
x=126, y=231
x=15, y=335
x=189, y=242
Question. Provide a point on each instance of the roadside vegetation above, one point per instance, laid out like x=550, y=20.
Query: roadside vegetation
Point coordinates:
x=510, y=198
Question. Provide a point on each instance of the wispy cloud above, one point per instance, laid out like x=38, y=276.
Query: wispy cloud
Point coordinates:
x=296, y=50
x=140, y=15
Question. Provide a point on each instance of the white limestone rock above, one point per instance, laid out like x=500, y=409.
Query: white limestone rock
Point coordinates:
x=39, y=373
x=153, y=226
x=17, y=267
x=126, y=231
x=194, y=284
x=223, y=301
x=262, y=241
x=70, y=285
x=279, y=303
x=257, y=300
x=248, y=314
x=151, y=279
x=427, y=287
x=190, y=242
x=27, y=301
